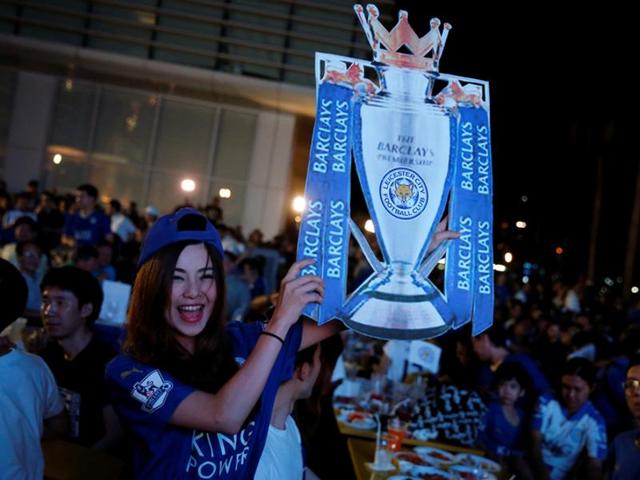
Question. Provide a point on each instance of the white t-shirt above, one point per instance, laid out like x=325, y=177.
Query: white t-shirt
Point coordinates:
x=564, y=437
x=28, y=394
x=122, y=226
x=282, y=454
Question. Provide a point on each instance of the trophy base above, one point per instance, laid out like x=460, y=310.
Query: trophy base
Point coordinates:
x=401, y=310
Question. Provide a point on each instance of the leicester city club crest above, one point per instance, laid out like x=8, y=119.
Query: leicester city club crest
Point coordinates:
x=403, y=193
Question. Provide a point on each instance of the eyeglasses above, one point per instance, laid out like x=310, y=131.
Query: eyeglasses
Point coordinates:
x=631, y=385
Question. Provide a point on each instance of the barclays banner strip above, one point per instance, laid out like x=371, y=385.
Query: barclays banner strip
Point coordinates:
x=324, y=229
x=483, y=187
x=469, y=272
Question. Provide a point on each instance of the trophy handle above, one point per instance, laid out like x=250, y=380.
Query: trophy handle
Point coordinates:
x=432, y=260
x=366, y=248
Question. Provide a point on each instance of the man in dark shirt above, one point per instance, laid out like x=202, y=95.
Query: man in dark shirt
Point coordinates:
x=626, y=446
x=71, y=300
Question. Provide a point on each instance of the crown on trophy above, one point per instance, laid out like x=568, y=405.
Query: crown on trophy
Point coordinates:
x=385, y=44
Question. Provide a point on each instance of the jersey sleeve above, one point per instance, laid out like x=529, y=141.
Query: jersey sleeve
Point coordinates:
x=597, y=439
x=143, y=394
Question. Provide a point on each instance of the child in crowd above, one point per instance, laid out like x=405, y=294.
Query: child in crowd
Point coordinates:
x=504, y=421
x=282, y=454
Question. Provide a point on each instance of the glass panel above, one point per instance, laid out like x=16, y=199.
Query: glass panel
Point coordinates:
x=65, y=176
x=73, y=113
x=233, y=206
x=139, y=28
x=7, y=90
x=122, y=182
x=53, y=19
x=123, y=131
x=188, y=25
x=236, y=137
x=184, y=137
x=165, y=193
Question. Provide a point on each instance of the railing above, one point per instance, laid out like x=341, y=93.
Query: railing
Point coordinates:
x=284, y=54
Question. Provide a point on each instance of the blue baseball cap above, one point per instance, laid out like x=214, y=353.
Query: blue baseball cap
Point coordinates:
x=187, y=224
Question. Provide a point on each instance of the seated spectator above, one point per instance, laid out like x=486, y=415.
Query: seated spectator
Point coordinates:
x=238, y=293
x=503, y=423
x=25, y=230
x=120, y=223
x=50, y=220
x=105, y=270
x=491, y=349
x=568, y=430
x=71, y=301
x=282, y=454
x=87, y=259
x=251, y=269
x=88, y=225
x=610, y=397
x=29, y=261
x=21, y=208
x=624, y=450
x=29, y=396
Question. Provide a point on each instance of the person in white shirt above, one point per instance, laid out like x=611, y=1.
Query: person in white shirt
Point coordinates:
x=121, y=225
x=29, y=397
x=282, y=454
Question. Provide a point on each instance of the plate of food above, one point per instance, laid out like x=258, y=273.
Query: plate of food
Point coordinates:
x=435, y=456
x=411, y=457
x=346, y=403
x=358, y=420
x=467, y=472
x=426, y=472
x=472, y=460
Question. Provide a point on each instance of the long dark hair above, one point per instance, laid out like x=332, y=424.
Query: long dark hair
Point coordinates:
x=151, y=340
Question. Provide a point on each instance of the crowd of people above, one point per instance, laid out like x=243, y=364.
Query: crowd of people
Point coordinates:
x=215, y=363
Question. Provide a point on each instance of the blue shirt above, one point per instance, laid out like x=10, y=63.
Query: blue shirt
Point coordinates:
x=87, y=230
x=626, y=457
x=145, y=398
x=497, y=434
x=564, y=437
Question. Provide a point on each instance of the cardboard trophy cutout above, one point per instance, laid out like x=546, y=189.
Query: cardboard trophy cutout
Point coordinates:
x=420, y=140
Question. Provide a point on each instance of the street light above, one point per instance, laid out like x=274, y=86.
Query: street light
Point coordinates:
x=508, y=257
x=368, y=226
x=224, y=193
x=520, y=224
x=57, y=159
x=187, y=185
x=299, y=203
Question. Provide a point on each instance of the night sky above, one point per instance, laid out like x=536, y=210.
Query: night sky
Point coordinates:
x=561, y=95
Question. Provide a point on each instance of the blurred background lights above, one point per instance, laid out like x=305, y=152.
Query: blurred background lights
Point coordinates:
x=521, y=224
x=368, y=226
x=57, y=159
x=299, y=203
x=634, y=289
x=224, y=193
x=498, y=267
x=508, y=257
x=187, y=185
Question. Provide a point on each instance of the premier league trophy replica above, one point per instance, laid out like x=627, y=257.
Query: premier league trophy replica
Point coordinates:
x=420, y=140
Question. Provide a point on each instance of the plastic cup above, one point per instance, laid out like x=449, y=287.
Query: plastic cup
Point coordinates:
x=396, y=431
